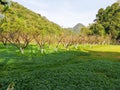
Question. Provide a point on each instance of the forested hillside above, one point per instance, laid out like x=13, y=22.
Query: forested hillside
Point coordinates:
x=20, y=27
x=19, y=17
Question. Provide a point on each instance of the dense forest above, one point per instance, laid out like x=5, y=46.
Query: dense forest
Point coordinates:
x=107, y=22
x=17, y=16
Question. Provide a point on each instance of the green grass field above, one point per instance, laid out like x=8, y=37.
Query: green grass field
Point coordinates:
x=88, y=68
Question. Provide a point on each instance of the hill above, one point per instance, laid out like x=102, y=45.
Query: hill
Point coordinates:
x=76, y=28
x=19, y=17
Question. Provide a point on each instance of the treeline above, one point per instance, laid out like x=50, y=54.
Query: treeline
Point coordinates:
x=107, y=23
x=21, y=40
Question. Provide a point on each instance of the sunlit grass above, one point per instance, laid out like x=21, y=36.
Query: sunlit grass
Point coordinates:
x=108, y=48
x=111, y=52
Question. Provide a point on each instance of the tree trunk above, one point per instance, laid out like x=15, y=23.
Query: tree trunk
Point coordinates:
x=11, y=86
x=56, y=49
x=21, y=50
x=42, y=51
x=76, y=46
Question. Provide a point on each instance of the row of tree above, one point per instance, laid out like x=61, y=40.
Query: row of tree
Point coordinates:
x=21, y=40
x=19, y=29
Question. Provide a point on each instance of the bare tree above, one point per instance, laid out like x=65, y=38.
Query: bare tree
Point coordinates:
x=4, y=38
x=19, y=39
x=40, y=40
x=58, y=40
x=67, y=41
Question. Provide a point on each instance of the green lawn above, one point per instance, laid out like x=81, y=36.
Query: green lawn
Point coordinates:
x=88, y=68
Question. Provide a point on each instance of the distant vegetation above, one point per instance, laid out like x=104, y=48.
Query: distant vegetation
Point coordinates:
x=107, y=23
x=77, y=28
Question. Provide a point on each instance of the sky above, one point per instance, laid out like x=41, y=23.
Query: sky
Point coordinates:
x=67, y=13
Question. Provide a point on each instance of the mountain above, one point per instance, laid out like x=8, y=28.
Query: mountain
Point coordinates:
x=19, y=17
x=78, y=27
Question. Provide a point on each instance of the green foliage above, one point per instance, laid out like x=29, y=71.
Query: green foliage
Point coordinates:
x=97, y=29
x=4, y=5
x=5, y=2
x=18, y=17
x=85, y=31
x=20, y=25
x=108, y=21
x=64, y=70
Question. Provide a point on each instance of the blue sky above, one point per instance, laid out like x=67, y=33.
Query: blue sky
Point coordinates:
x=67, y=13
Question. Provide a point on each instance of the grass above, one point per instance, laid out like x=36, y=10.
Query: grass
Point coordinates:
x=88, y=68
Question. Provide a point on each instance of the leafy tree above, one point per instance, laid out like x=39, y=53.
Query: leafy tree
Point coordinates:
x=16, y=33
x=20, y=27
x=4, y=5
x=108, y=21
x=85, y=31
x=40, y=40
x=98, y=29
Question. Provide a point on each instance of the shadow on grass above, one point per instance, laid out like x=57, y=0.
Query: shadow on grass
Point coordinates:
x=12, y=59
x=63, y=70
x=111, y=56
x=10, y=55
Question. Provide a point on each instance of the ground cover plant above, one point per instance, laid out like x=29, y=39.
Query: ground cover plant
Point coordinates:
x=37, y=54
x=88, y=68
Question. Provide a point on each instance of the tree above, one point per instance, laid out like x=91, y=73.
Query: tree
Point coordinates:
x=17, y=33
x=40, y=40
x=108, y=21
x=98, y=29
x=85, y=31
x=58, y=40
x=6, y=4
